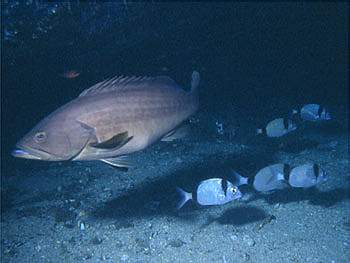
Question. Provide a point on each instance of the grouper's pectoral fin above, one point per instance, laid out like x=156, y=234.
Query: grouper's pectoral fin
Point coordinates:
x=120, y=162
x=113, y=143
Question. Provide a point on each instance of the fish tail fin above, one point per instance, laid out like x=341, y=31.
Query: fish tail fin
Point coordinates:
x=195, y=79
x=239, y=179
x=281, y=177
x=294, y=111
x=184, y=197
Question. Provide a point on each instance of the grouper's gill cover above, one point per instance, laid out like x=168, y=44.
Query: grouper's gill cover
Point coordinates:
x=57, y=137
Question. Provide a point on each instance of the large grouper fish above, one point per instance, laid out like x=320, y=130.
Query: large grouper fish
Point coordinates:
x=112, y=119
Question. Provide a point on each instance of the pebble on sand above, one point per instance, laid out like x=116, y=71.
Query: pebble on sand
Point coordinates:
x=248, y=240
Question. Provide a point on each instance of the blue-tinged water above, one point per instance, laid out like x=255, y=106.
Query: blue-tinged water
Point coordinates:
x=257, y=62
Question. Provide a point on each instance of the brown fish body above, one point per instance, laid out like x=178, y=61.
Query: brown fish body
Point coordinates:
x=147, y=114
x=136, y=112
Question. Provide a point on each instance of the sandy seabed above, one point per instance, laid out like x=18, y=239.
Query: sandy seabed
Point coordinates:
x=88, y=211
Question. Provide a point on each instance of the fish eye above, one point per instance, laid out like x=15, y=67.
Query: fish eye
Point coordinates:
x=234, y=190
x=40, y=137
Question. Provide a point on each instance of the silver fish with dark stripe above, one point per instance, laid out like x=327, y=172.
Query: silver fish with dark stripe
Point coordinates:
x=278, y=128
x=306, y=175
x=314, y=113
x=267, y=179
x=111, y=119
x=279, y=176
x=213, y=191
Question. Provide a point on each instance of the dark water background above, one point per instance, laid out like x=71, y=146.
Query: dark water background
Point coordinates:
x=255, y=59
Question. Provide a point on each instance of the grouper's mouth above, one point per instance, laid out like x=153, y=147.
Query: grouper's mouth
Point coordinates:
x=29, y=153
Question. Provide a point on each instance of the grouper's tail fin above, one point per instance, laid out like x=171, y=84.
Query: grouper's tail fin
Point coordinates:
x=195, y=81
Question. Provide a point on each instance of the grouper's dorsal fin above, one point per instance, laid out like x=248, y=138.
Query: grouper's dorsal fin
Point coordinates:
x=113, y=143
x=121, y=82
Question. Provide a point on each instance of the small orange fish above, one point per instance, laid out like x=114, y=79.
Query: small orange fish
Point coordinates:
x=70, y=74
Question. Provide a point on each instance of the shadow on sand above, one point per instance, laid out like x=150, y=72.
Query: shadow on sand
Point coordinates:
x=313, y=195
x=242, y=215
x=159, y=197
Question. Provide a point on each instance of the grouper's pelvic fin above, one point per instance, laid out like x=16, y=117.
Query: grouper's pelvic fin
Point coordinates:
x=121, y=163
x=178, y=133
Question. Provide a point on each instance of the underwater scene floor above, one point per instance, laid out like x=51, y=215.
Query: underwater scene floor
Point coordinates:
x=91, y=212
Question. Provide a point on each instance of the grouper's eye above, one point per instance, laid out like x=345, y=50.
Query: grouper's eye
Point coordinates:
x=40, y=137
x=234, y=190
